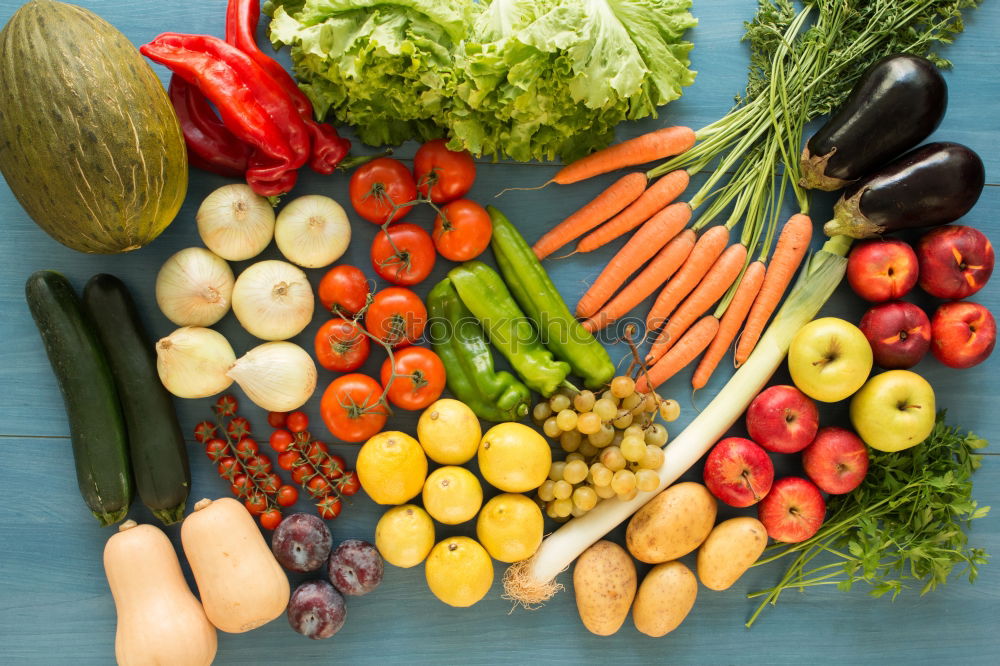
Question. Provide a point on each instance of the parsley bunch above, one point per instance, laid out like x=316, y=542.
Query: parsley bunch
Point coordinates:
x=905, y=523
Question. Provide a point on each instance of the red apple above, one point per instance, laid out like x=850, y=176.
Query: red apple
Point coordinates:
x=963, y=334
x=899, y=333
x=738, y=472
x=782, y=419
x=836, y=461
x=793, y=510
x=882, y=270
x=955, y=261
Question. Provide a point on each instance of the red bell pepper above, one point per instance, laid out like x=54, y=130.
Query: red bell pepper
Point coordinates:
x=210, y=145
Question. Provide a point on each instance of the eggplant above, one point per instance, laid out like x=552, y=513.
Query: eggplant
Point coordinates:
x=934, y=184
x=895, y=105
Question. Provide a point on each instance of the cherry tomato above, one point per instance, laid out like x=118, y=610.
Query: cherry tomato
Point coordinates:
x=238, y=428
x=351, y=409
x=343, y=288
x=246, y=447
x=276, y=419
x=226, y=405
x=270, y=519
x=280, y=440
x=396, y=316
x=333, y=467
x=256, y=504
x=297, y=421
x=341, y=345
x=271, y=484
x=350, y=484
x=259, y=465
x=318, y=486
x=448, y=174
x=215, y=449
x=241, y=485
x=329, y=507
x=464, y=231
x=287, y=459
x=403, y=254
x=317, y=453
x=301, y=473
x=227, y=467
x=419, y=377
x=378, y=185
x=204, y=431
x=287, y=495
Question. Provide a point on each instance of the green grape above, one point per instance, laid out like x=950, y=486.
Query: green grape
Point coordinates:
x=630, y=495
x=623, y=419
x=562, y=489
x=605, y=409
x=566, y=420
x=563, y=507
x=622, y=387
x=575, y=472
x=576, y=512
x=608, y=395
x=603, y=437
x=600, y=474
x=617, y=441
x=556, y=470
x=541, y=412
x=559, y=402
x=634, y=430
x=570, y=440
x=573, y=456
x=545, y=490
x=649, y=403
x=585, y=498
x=656, y=435
x=670, y=410
x=653, y=458
x=551, y=428
x=623, y=482
x=587, y=449
x=588, y=423
x=612, y=458
x=605, y=492
x=632, y=401
x=633, y=448
x=647, y=480
x=550, y=510
x=584, y=401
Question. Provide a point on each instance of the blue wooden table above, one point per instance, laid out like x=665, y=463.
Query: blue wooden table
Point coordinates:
x=55, y=606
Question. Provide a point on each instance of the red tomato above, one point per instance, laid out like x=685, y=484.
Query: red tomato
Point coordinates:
x=329, y=507
x=403, y=254
x=464, y=231
x=276, y=419
x=318, y=486
x=301, y=473
x=281, y=439
x=270, y=519
x=333, y=467
x=351, y=409
x=256, y=504
x=259, y=465
x=350, y=484
x=215, y=449
x=341, y=345
x=227, y=467
x=344, y=288
x=419, y=377
x=297, y=421
x=246, y=448
x=396, y=316
x=204, y=431
x=287, y=495
x=378, y=185
x=241, y=485
x=448, y=174
x=287, y=459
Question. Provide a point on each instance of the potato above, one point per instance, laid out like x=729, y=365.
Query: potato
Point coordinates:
x=665, y=598
x=729, y=551
x=672, y=524
x=604, y=583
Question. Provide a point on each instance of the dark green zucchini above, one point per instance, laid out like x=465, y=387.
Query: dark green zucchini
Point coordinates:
x=97, y=429
x=156, y=444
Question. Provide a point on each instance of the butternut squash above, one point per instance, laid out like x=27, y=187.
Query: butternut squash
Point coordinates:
x=241, y=585
x=159, y=621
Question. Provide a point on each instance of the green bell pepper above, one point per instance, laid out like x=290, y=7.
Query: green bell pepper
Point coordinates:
x=483, y=291
x=540, y=300
x=459, y=340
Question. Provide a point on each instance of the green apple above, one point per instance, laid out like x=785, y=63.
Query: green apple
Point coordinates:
x=894, y=410
x=829, y=359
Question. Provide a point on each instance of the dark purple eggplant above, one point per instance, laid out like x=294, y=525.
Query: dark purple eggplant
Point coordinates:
x=930, y=185
x=895, y=105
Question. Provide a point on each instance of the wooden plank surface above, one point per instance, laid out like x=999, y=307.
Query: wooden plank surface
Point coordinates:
x=54, y=603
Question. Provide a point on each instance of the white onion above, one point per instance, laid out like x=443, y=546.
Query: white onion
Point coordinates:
x=192, y=362
x=194, y=287
x=235, y=222
x=312, y=231
x=273, y=300
x=276, y=376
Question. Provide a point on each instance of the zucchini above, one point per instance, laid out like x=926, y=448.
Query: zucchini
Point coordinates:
x=156, y=445
x=97, y=429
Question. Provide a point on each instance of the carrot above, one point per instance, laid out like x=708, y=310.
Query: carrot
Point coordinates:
x=703, y=255
x=788, y=254
x=656, y=232
x=652, y=276
x=622, y=192
x=646, y=148
x=730, y=323
x=654, y=199
x=692, y=343
x=717, y=281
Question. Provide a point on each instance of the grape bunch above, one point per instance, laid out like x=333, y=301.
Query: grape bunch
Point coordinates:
x=614, y=446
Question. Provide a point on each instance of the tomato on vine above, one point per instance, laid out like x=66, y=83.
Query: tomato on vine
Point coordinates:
x=419, y=380
x=341, y=345
x=351, y=407
x=463, y=230
x=396, y=316
x=276, y=419
x=329, y=507
x=297, y=421
x=256, y=504
x=344, y=289
x=280, y=440
x=350, y=484
x=445, y=174
x=287, y=495
x=377, y=186
x=403, y=254
x=270, y=519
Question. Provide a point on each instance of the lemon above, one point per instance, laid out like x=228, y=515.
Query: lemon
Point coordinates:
x=452, y=495
x=392, y=467
x=510, y=527
x=404, y=535
x=449, y=432
x=514, y=458
x=459, y=571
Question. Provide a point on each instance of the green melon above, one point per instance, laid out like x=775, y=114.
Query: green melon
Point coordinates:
x=89, y=142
